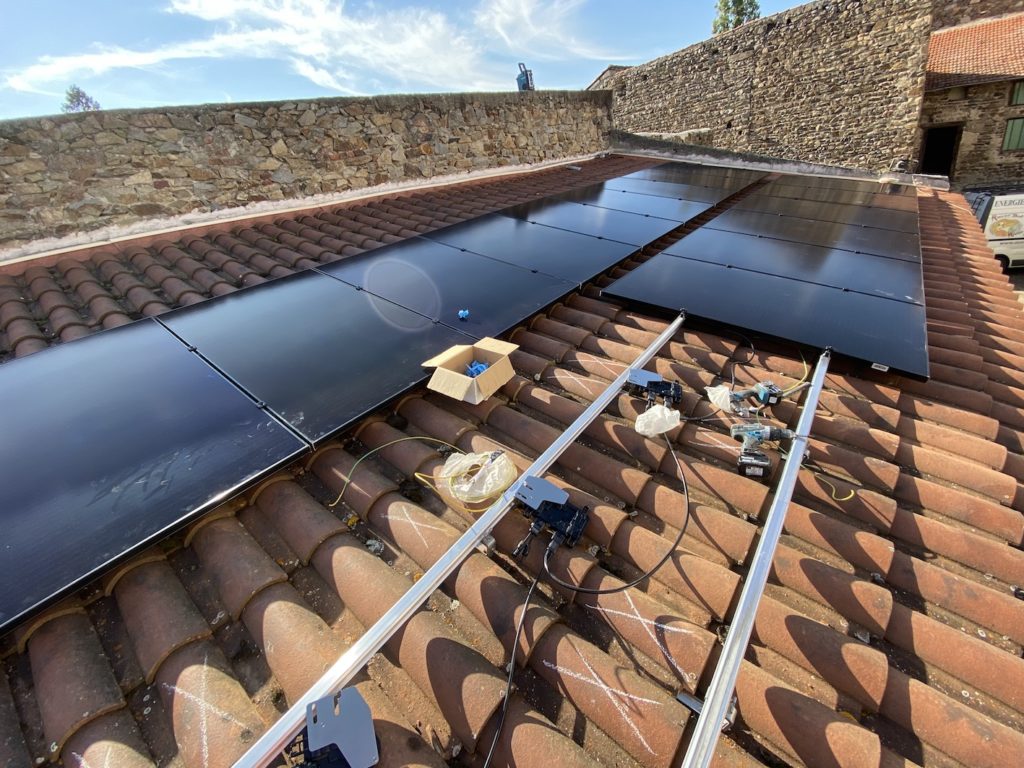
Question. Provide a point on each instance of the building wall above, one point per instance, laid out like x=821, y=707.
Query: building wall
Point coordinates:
x=952, y=13
x=834, y=81
x=982, y=110
x=76, y=172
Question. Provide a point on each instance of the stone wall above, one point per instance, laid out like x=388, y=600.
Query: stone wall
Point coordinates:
x=952, y=13
x=982, y=110
x=76, y=172
x=834, y=81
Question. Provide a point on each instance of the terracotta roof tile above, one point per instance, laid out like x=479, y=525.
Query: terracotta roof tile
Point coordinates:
x=889, y=634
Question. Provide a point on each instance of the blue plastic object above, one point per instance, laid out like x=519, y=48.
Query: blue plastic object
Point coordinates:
x=463, y=314
x=475, y=368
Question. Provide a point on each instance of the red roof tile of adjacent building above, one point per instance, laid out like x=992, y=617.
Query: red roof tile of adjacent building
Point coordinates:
x=979, y=52
x=889, y=634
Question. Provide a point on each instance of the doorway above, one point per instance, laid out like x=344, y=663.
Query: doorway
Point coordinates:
x=938, y=154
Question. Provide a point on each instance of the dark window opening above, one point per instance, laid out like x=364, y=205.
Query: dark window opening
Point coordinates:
x=1017, y=93
x=938, y=156
x=1014, y=137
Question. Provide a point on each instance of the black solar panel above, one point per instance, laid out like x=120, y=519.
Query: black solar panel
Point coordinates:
x=865, y=273
x=568, y=255
x=632, y=228
x=317, y=351
x=678, y=209
x=869, y=216
x=708, y=175
x=113, y=441
x=439, y=281
x=878, y=330
x=828, y=234
x=822, y=261
x=706, y=194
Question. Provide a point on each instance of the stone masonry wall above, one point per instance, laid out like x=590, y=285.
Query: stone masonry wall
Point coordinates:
x=834, y=81
x=983, y=111
x=952, y=13
x=77, y=172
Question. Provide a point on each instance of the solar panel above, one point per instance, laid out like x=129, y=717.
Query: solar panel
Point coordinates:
x=568, y=255
x=708, y=175
x=677, y=209
x=113, y=440
x=438, y=281
x=869, y=216
x=865, y=273
x=845, y=191
x=633, y=228
x=828, y=234
x=317, y=351
x=701, y=193
x=878, y=330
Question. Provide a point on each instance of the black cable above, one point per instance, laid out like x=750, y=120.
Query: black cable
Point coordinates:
x=511, y=671
x=649, y=573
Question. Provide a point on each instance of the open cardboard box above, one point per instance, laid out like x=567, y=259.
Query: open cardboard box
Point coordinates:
x=450, y=370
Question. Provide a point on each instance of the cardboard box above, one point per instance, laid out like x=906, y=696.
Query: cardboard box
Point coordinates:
x=450, y=375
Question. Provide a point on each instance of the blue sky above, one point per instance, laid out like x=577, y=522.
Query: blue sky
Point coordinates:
x=145, y=53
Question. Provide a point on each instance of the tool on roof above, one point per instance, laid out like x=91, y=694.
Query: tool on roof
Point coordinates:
x=720, y=692
x=281, y=733
x=339, y=732
x=548, y=506
x=525, y=78
x=752, y=462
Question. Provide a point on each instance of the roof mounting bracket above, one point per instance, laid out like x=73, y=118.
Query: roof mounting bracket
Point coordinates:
x=281, y=733
x=695, y=705
x=341, y=726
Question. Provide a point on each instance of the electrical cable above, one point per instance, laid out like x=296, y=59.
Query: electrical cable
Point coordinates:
x=511, y=671
x=672, y=550
x=372, y=451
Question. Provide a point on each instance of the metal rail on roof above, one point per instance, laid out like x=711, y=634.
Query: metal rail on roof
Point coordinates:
x=282, y=733
x=720, y=692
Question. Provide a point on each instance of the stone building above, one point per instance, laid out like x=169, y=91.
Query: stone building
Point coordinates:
x=857, y=84
x=973, y=112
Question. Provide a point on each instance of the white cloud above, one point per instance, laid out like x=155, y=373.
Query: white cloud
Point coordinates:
x=540, y=28
x=411, y=48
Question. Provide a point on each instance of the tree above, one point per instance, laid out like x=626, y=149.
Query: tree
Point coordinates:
x=77, y=100
x=732, y=13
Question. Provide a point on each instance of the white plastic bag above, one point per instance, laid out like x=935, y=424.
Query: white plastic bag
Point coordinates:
x=656, y=420
x=721, y=397
x=477, y=477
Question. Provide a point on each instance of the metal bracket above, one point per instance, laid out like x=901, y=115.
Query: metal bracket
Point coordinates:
x=652, y=386
x=695, y=705
x=534, y=491
x=343, y=721
x=547, y=506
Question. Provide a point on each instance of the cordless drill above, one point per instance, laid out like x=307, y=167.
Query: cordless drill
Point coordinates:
x=753, y=462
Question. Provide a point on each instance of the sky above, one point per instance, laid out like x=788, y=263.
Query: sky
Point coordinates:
x=148, y=53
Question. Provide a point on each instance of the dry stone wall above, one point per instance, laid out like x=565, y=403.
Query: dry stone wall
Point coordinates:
x=982, y=110
x=835, y=81
x=76, y=172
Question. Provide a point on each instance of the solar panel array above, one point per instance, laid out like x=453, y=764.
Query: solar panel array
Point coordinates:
x=145, y=428
x=821, y=261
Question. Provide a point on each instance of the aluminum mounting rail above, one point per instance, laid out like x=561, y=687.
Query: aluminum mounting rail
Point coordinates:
x=720, y=692
x=283, y=732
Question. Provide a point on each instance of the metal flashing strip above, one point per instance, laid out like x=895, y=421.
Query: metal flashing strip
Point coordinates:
x=277, y=738
x=719, y=695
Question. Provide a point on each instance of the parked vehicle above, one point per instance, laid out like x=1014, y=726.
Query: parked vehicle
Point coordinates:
x=1002, y=218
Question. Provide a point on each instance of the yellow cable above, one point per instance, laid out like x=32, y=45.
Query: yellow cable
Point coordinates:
x=372, y=451
x=807, y=372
